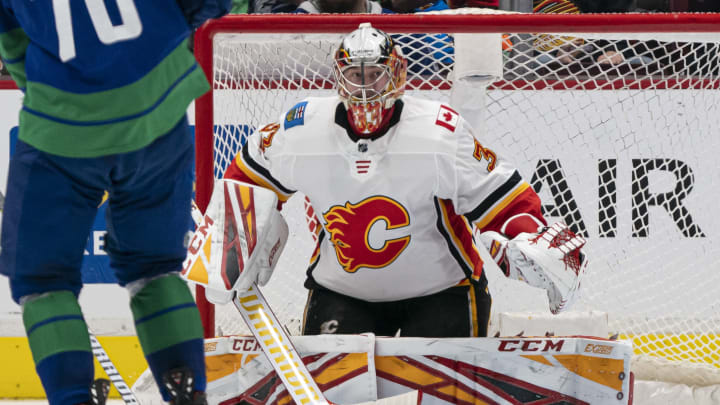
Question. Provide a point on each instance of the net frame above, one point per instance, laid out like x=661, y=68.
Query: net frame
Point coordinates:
x=516, y=23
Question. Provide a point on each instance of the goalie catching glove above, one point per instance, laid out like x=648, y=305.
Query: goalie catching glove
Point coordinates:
x=237, y=242
x=551, y=259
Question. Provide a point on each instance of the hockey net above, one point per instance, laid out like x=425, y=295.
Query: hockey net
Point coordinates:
x=616, y=131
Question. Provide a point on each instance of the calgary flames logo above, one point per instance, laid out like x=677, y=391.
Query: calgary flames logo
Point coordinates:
x=349, y=227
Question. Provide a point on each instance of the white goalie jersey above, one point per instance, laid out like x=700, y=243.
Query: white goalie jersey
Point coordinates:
x=397, y=209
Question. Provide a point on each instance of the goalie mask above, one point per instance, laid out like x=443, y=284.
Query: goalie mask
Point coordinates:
x=370, y=72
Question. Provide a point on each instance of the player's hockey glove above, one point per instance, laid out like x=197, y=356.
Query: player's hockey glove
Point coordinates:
x=551, y=259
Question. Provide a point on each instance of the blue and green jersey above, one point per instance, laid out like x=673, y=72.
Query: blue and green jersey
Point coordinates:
x=100, y=76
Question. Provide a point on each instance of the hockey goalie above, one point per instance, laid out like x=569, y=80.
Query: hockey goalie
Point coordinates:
x=236, y=245
x=398, y=184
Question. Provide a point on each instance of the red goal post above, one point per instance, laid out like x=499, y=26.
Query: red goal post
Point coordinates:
x=622, y=152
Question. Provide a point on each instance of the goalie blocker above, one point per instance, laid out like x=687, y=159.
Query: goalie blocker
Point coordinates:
x=237, y=242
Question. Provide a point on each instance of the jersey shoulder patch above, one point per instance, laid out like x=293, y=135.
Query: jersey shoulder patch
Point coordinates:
x=295, y=116
x=447, y=118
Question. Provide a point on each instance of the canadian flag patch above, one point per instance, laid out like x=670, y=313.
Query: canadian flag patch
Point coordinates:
x=447, y=117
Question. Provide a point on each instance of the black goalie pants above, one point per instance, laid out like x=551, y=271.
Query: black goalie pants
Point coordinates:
x=459, y=311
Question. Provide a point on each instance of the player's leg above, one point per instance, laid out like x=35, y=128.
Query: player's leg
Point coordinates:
x=50, y=205
x=148, y=221
x=460, y=311
x=329, y=312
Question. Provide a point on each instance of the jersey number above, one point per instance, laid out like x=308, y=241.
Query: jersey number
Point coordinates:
x=267, y=134
x=108, y=33
x=481, y=153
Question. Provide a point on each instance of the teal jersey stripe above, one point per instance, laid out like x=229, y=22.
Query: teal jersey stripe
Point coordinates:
x=139, y=114
x=13, y=45
x=17, y=71
x=120, y=120
x=118, y=103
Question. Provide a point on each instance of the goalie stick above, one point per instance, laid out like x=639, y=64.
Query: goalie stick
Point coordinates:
x=274, y=341
x=286, y=362
x=102, y=357
x=277, y=346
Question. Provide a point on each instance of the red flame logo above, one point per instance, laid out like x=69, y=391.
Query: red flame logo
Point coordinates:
x=349, y=227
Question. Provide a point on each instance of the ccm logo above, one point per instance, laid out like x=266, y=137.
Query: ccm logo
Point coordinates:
x=246, y=345
x=598, y=349
x=210, y=347
x=531, y=345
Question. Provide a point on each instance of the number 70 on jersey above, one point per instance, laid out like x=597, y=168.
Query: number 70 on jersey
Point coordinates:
x=106, y=32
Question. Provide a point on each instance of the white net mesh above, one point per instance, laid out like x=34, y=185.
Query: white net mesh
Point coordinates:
x=618, y=136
